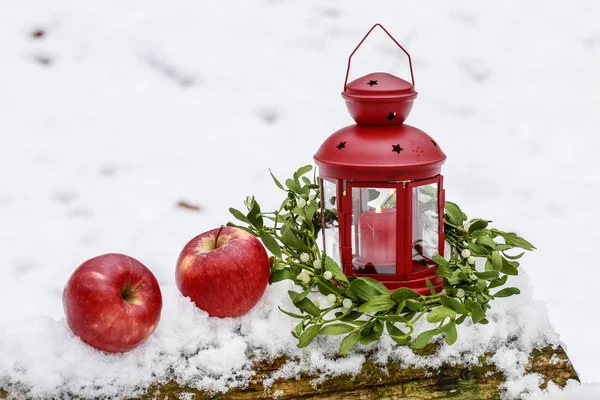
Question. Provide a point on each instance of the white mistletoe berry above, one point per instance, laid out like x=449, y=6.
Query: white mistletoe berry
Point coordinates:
x=331, y=298
x=301, y=203
x=471, y=260
x=473, y=277
x=347, y=303
x=327, y=275
x=460, y=293
x=317, y=263
x=304, y=257
x=465, y=253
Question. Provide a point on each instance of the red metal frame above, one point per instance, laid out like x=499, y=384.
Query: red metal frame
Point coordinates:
x=412, y=76
x=404, y=211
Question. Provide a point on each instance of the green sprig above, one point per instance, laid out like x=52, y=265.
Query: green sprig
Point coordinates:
x=365, y=309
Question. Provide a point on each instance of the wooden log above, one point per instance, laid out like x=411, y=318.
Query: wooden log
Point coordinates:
x=375, y=382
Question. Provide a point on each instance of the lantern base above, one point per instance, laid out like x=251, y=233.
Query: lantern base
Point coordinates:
x=418, y=285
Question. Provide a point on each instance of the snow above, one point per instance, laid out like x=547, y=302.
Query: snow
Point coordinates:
x=122, y=110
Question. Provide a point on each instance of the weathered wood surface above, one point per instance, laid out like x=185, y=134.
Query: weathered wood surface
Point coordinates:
x=374, y=382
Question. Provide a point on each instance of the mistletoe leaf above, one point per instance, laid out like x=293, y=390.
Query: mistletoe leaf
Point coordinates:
x=336, y=329
x=477, y=224
x=506, y=292
x=270, y=243
x=451, y=334
x=291, y=314
x=430, y=287
x=366, y=288
x=308, y=335
x=349, y=342
x=453, y=304
x=333, y=267
x=404, y=294
x=280, y=275
x=289, y=238
x=279, y=185
x=496, y=259
x=439, y=314
x=239, y=215
x=377, y=303
x=424, y=338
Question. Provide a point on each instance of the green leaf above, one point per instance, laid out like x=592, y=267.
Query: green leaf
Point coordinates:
x=280, y=275
x=289, y=238
x=353, y=315
x=479, y=250
x=441, y=261
x=477, y=313
x=424, y=338
x=303, y=170
x=439, y=314
x=506, y=292
x=452, y=303
x=254, y=215
x=309, y=307
x=413, y=305
x=373, y=335
x=279, y=185
x=326, y=287
x=477, y=225
x=336, y=329
x=291, y=314
x=308, y=335
x=393, y=318
x=311, y=209
x=509, y=257
x=509, y=268
x=366, y=288
x=516, y=241
x=333, y=267
x=486, y=241
x=443, y=271
x=270, y=243
x=496, y=261
x=451, y=334
x=239, y=215
x=454, y=214
x=293, y=185
x=498, y=282
x=430, y=286
x=404, y=293
x=377, y=303
x=401, y=340
x=488, y=275
x=393, y=330
x=349, y=342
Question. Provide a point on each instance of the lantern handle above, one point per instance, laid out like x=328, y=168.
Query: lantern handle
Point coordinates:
x=412, y=77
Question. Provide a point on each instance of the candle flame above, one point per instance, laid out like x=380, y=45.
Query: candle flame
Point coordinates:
x=378, y=209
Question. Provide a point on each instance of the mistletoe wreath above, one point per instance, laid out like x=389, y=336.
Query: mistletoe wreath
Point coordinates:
x=362, y=308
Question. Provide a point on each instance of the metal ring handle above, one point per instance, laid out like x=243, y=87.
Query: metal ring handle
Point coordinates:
x=412, y=77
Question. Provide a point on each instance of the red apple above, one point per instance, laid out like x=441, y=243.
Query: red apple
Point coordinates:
x=112, y=302
x=224, y=271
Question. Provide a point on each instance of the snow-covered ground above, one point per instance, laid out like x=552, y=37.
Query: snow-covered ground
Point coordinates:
x=122, y=109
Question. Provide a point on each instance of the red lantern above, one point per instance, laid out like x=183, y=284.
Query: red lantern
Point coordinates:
x=382, y=192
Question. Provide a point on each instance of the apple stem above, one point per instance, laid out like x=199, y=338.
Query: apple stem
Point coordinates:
x=217, y=237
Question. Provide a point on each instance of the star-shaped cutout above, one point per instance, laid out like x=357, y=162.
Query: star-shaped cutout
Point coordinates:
x=397, y=148
x=434, y=143
x=372, y=82
x=342, y=145
x=391, y=116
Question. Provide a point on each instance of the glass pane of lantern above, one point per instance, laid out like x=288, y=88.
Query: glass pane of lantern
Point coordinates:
x=426, y=222
x=374, y=230
x=331, y=236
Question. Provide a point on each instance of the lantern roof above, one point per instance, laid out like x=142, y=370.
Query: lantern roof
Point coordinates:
x=379, y=153
x=379, y=86
x=379, y=99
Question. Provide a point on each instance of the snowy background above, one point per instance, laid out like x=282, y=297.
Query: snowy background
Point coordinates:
x=111, y=113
